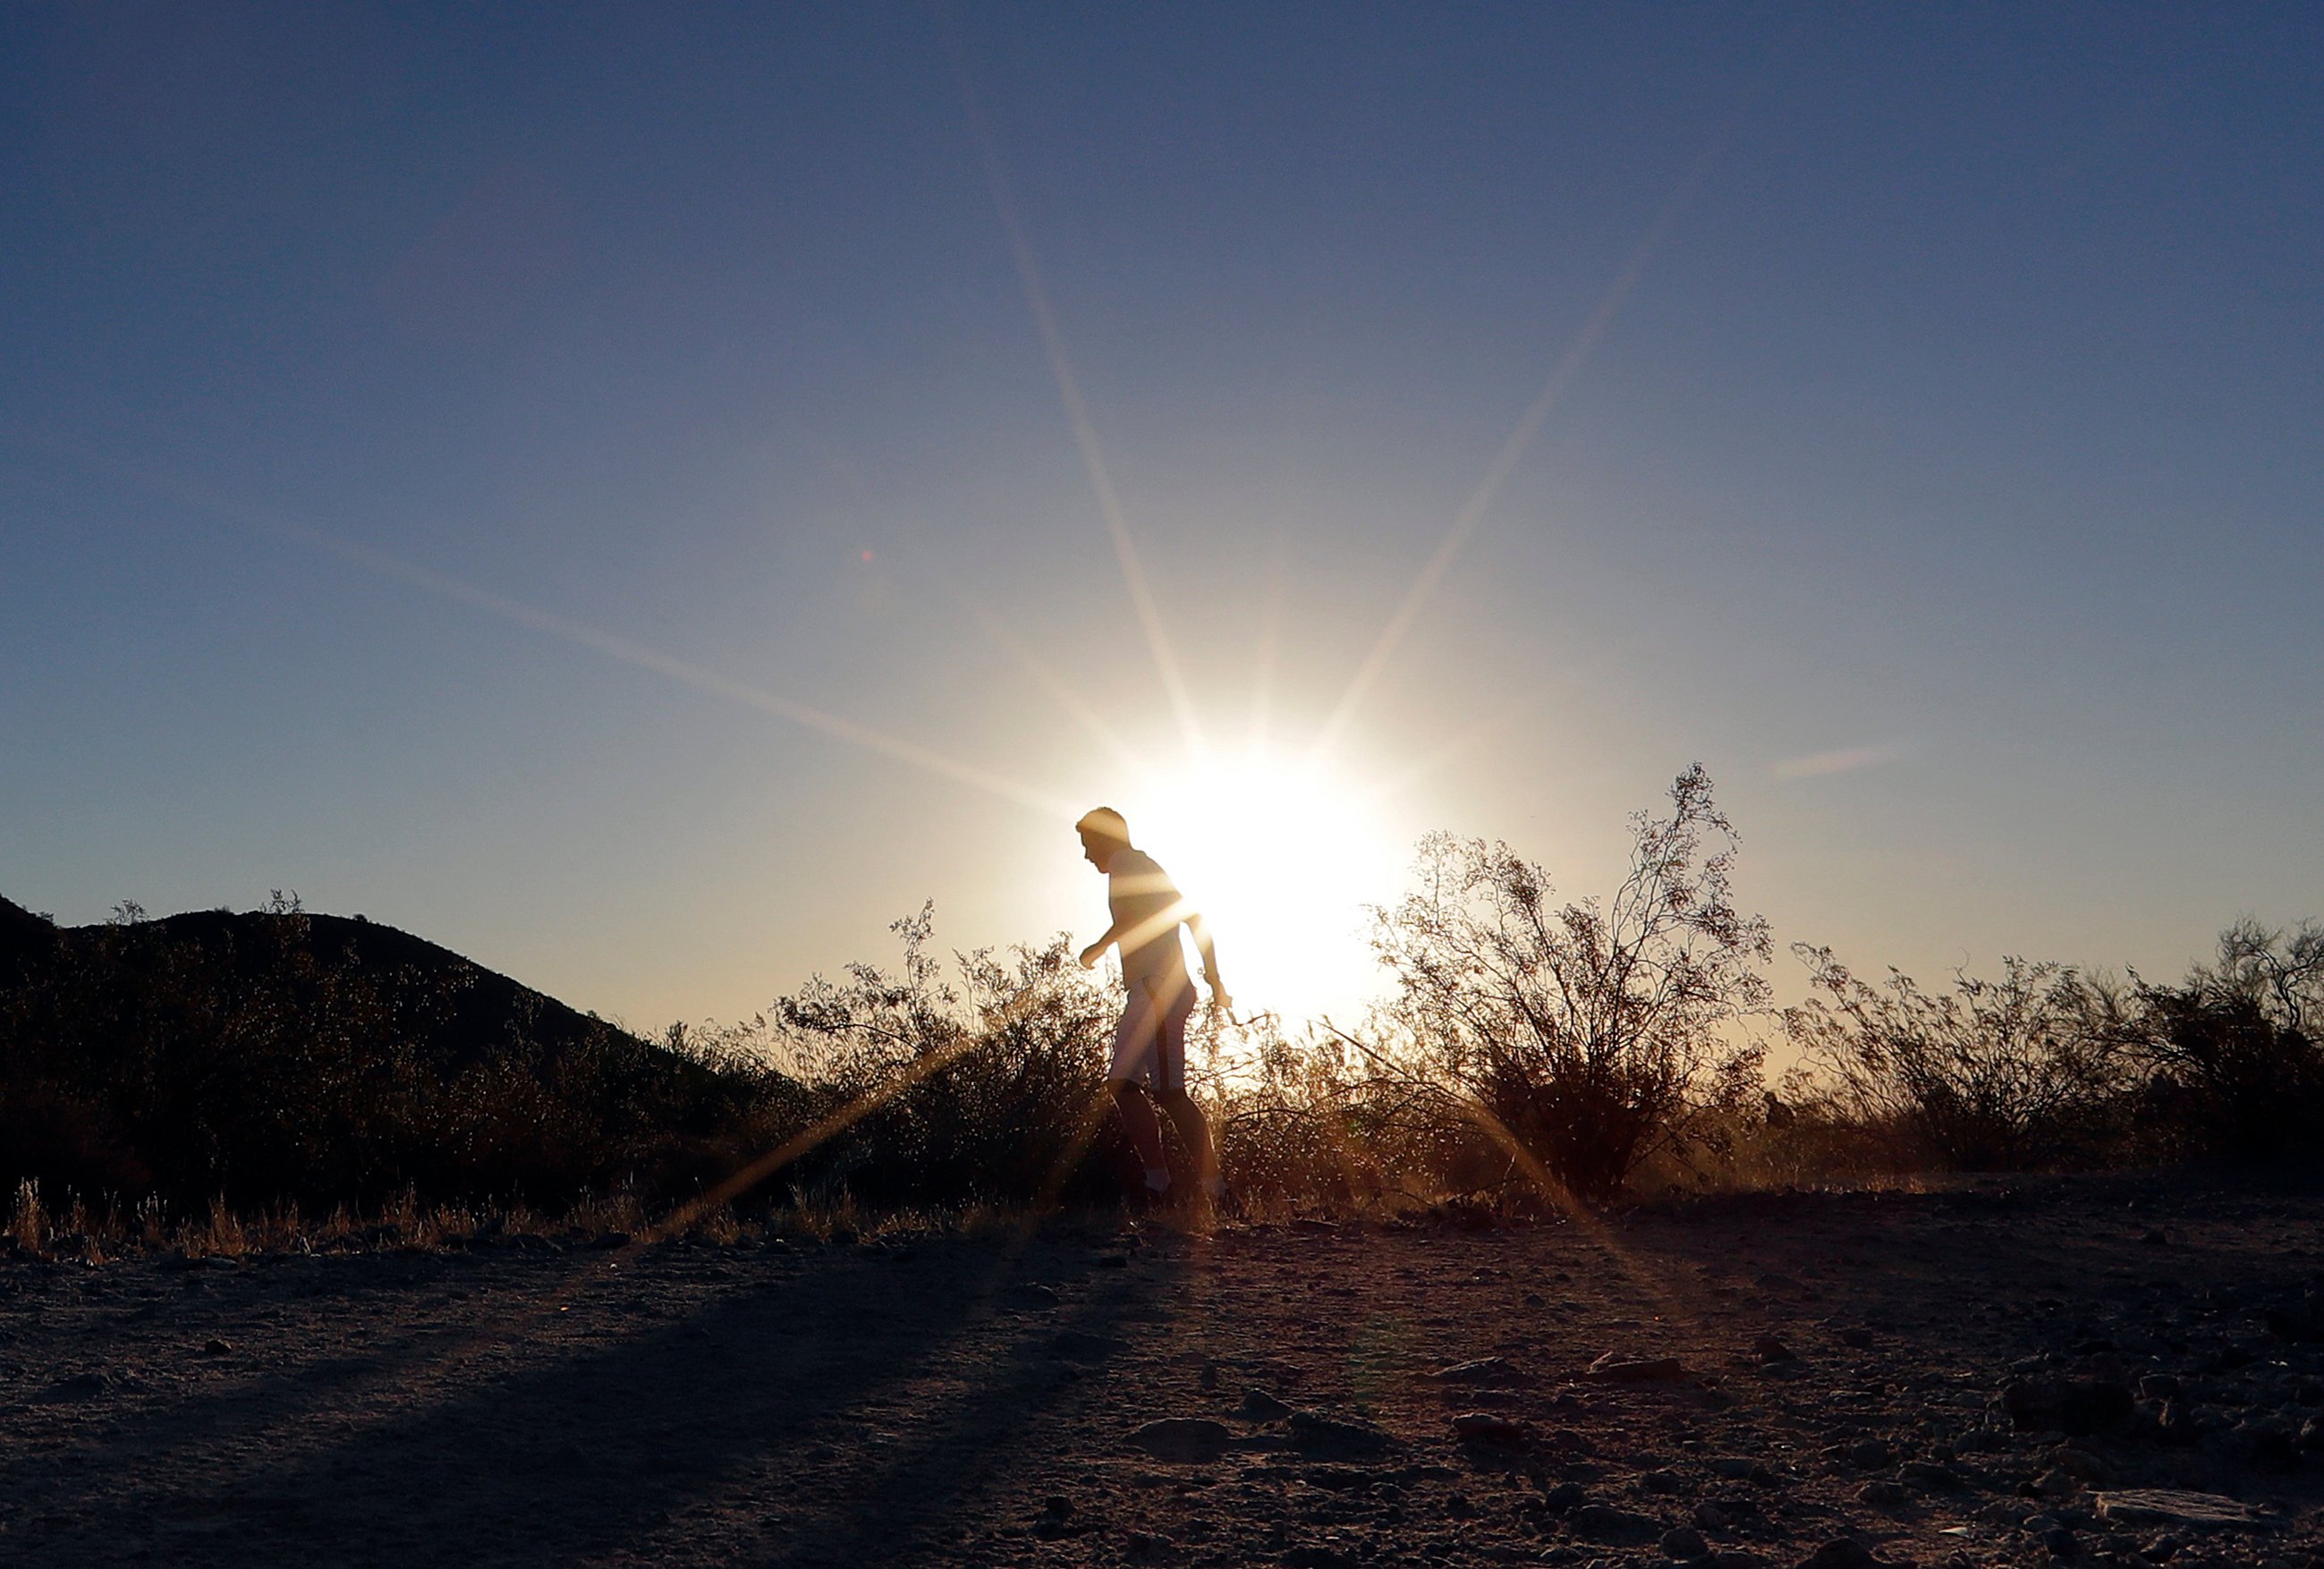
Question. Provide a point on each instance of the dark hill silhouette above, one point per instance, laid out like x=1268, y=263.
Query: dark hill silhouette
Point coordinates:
x=287, y=1057
x=22, y=932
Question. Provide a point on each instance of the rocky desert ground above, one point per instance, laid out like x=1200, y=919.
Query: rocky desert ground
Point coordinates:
x=2117, y=1370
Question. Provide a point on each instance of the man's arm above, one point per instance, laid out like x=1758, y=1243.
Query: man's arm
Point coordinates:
x=1096, y=950
x=1208, y=949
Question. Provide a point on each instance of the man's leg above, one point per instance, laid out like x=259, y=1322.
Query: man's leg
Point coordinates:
x=1136, y=1114
x=1195, y=1132
x=1134, y=1042
x=1170, y=1081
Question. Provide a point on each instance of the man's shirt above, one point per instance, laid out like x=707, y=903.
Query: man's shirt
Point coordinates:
x=1146, y=909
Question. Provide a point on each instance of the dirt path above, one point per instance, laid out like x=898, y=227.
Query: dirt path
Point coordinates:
x=958, y=1401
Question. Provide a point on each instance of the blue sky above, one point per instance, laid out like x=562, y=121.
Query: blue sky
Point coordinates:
x=1945, y=477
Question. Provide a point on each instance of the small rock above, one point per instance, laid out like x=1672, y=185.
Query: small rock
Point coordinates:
x=1868, y=1454
x=1259, y=1405
x=1030, y=1295
x=68, y=1390
x=2062, y=1542
x=1080, y=1345
x=1614, y=1368
x=1186, y=1440
x=1770, y=1350
x=1316, y=1558
x=215, y=1347
x=1495, y=1372
x=1314, y=1434
x=1710, y=1517
x=1605, y=1523
x=1684, y=1542
x=1840, y=1553
x=1859, y=1338
x=1564, y=1498
x=1740, y=1468
x=1882, y=1495
x=1928, y=1474
x=1485, y=1427
x=2074, y=1406
x=2082, y=1465
x=2173, y=1507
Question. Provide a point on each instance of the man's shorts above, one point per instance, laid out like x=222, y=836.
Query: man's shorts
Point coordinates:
x=1149, y=1045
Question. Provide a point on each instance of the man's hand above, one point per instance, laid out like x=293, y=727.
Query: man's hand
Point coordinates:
x=1091, y=955
x=1221, y=1000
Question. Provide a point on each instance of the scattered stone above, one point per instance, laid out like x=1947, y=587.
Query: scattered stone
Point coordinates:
x=1710, y=1517
x=1080, y=1345
x=1030, y=1295
x=1183, y=1440
x=2082, y=1465
x=2161, y=1506
x=1770, y=1351
x=1314, y=1434
x=1862, y=1338
x=70, y=1391
x=1259, y=1405
x=1928, y=1474
x=1316, y=1558
x=2075, y=1405
x=1564, y=1498
x=1485, y=1427
x=1497, y=1372
x=1740, y=1468
x=1605, y=1523
x=1841, y=1553
x=1614, y=1368
x=215, y=1347
x=1684, y=1542
x=1883, y=1495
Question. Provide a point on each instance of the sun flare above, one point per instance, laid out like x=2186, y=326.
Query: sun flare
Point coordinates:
x=1282, y=856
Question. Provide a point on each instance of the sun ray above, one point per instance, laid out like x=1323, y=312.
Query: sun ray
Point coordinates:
x=1076, y=408
x=1562, y=375
x=610, y=644
x=1050, y=681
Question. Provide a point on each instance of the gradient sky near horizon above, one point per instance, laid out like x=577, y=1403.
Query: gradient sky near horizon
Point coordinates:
x=589, y=485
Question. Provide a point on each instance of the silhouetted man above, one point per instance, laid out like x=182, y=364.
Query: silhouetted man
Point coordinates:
x=1149, y=1046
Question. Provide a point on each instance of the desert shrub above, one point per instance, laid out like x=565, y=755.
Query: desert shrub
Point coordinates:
x=1586, y=1035
x=985, y=1085
x=2230, y=1062
x=2007, y=1074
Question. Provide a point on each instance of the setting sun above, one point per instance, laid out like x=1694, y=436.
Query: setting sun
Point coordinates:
x=1282, y=855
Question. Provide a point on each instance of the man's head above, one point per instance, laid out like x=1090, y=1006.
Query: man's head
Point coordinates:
x=1103, y=832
